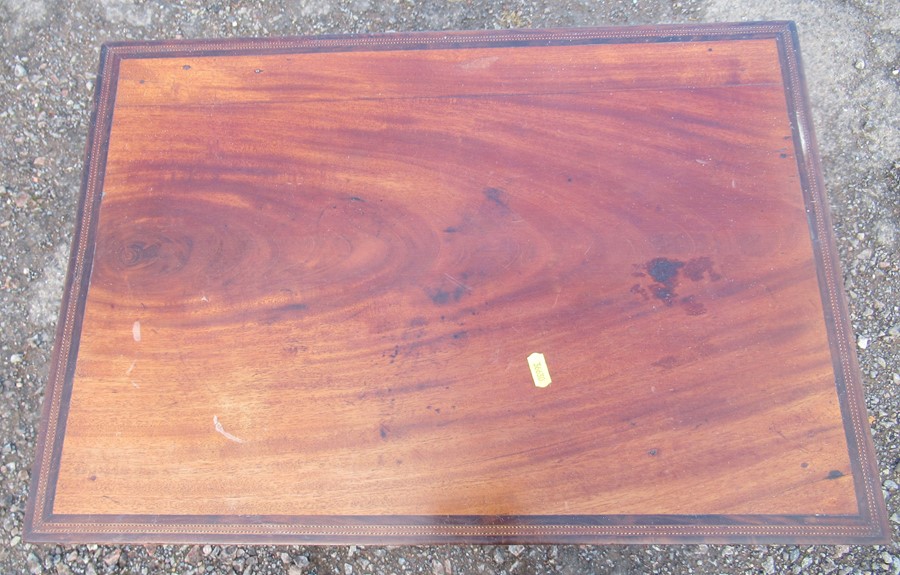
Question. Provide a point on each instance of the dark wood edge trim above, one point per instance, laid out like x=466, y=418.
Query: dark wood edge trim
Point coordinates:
x=444, y=529
x=448, y=40
x=42, y=525
x=760, y=521
x=62, y=368
x=837, y=318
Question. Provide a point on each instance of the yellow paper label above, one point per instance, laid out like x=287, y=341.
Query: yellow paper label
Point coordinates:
x=539, y=372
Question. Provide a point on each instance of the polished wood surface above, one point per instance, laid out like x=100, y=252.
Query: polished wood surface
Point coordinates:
x=312, y=275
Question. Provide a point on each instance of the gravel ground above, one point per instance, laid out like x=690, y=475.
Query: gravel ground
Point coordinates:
x=50, y=53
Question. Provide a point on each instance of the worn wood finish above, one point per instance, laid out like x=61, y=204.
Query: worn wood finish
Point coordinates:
x=308, y=273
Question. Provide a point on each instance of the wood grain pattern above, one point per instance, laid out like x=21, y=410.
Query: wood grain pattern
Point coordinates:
x=316, y=272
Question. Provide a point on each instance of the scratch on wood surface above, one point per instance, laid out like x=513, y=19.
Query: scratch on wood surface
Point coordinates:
x=131, y=367
x=457, y=282
x=136, y=331
x=221, y=430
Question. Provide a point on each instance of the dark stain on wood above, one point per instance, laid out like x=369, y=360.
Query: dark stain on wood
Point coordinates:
x=695, y=269
x=692, y=306
x=496, y=196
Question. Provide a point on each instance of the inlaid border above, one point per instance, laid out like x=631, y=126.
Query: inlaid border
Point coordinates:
x=869, y=526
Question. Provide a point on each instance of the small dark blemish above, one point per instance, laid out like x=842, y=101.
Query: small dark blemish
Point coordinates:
x=497, y=196
x=437, y=409
x=460, y=335
x=294, y=307
x=418, y=322
x=450, y=230
x=695, y=269
x=92, y=478
x=140, y=81
x=638, y=290
x=834, y=474
x=396, y=352
x=356, y=199
x=804, y=465
x=709, y=50
x=667, y=362
x=185, y=67
x=782, y=155
x=440, y=297
x=692, y=307
x=664, y=270
x=383, y=431
x=257, y=71
x=664, y=293
x=652, y=452
x=569, y=179
x=399, y=461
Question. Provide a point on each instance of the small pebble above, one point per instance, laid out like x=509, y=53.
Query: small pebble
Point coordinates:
x=862, y=342
x=113, y=557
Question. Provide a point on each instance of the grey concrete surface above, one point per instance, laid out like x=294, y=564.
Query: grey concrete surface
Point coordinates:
x=49, y=59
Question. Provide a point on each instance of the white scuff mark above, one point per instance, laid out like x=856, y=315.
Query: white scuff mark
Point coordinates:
x=130, y=367
x=221, y=430
x=134, y=384
x=479, y=63
x=204, y=299
x=733, y=184
x=136, y=331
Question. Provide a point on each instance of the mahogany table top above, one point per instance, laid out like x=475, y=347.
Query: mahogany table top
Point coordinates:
x=513, y=286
